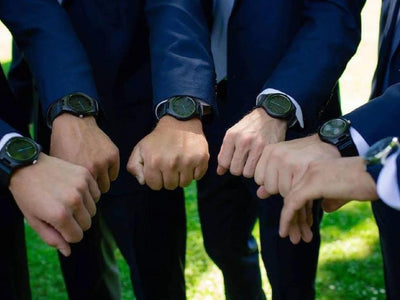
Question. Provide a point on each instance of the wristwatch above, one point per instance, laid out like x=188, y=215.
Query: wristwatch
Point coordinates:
x=379, y=151
x=278, y=106
x=16, y=153
x=181, y=107
x=77, y=104
x=377, y=154
x=337, y=133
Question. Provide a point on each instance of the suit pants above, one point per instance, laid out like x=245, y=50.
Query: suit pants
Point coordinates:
x=387, y=220
x=150, y=230
x=228, y=208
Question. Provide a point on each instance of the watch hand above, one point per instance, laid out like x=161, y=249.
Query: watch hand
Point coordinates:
x=23, y=149
x=80, y=103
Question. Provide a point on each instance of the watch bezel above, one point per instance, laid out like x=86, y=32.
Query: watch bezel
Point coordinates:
x=63, y=105
x=289, y=115
x=167, y=108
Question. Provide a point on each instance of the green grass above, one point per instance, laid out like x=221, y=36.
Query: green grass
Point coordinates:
x=350, y=262
x=350, y=265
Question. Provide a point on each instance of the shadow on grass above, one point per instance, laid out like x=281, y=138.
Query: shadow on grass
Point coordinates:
x=356, y=278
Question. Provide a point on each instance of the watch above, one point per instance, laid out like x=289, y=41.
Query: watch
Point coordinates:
x=337, y=133
x=180, y=107
x=379, y=151
x=278, y=106
x=77, y=104
x=16, y=153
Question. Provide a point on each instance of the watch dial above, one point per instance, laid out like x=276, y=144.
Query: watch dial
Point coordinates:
x=21, y=149
x=334, y=128
x=80, y=104
x=380, y=146
x=278, y=105
x=183, y=106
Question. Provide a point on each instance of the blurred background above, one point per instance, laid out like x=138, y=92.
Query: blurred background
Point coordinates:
x=350, y=264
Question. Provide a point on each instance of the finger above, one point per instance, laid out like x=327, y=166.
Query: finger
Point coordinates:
x=271, y=179
x=82, y=217
x=170, y=179
x=104, y=182
x=50, y=236
x=225, y=156
x=305, y=230
x=154, y=178
x=251, y=163
x=284, y=181
x=89, y=204
x=113, y=170
x=94, y=190
x=294, y=231
x=262, y=165
x=201, y=170
x=186, y=176
x=68, y=227
x=239, y=159
x=135, y=165
x=262, y=193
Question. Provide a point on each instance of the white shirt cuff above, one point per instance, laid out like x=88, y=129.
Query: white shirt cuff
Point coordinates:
x=387, y=184
x=361, y=145
x=7, y=137
x=299, y=113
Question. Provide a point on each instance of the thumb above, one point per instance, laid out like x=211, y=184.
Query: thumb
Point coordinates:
x=50, y=236
x=136, y=164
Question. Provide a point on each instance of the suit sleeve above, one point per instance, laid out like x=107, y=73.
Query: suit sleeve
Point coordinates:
x=55, y=56
x=180, y=50
x=318, y=55
x=379, y=117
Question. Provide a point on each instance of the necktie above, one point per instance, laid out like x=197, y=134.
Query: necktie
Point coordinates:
x=219, y=35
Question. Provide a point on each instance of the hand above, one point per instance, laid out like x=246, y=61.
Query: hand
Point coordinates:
x=282, y=165
x=57, y=199
x=337, y=181
x=82, y=142
x=244, y=142
x=172, y=155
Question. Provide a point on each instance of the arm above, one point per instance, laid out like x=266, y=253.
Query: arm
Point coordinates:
x=176, y=152
x=60, y=67
x=327, y=39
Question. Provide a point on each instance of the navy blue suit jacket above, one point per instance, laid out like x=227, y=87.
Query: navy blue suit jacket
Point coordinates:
x=298, y=47
x=55, y=56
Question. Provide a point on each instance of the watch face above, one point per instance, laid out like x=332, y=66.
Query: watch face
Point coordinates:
x=278, y=105
x=21, y=149
x=381, y=149
x=80, y=104
x=183, y=106
x=334, y=128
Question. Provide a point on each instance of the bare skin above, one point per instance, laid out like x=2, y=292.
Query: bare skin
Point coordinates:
x=82, y=142
x=337, y=181
x=171, y=156
x=244, y=142
x=57, y=199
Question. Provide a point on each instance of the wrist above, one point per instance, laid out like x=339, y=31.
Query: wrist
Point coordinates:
x=330, y=149
x=68, y=120
x=194, y=125
x=18, y=175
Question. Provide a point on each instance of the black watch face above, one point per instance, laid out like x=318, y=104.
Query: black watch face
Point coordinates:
x=21, y=149
x=80, y=104
x=278, y=105
x=334, y=128
x=183, y=106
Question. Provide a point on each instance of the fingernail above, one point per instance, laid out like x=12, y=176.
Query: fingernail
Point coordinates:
x=64, y=251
